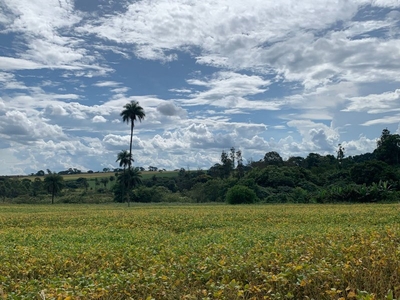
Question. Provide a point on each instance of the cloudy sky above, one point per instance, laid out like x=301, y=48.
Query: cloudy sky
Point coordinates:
x=288, y=76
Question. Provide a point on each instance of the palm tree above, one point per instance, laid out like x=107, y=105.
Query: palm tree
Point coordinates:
x=125, y=181
x=54, y=184
x=130, y=179
x=132, y=112
x=124, y=158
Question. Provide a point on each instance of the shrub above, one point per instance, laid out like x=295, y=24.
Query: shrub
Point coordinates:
x=240, y=194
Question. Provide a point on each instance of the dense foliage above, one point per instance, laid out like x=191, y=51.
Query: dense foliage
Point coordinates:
x=240, y=194
x=369, y=177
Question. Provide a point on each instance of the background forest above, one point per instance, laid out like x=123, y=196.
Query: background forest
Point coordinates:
x=369, y=177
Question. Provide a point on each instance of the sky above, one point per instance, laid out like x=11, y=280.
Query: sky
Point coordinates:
x=296, y=77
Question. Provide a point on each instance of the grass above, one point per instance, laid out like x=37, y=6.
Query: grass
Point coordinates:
x=199, y=252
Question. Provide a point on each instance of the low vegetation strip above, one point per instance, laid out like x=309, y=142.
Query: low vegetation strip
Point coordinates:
x=200, y=252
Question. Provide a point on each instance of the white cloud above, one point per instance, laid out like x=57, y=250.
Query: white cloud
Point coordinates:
x=107, y=84
x=375, y=103
x=10, y=63
x=385, y=120
x=16, y=126
x=170, y=109
x=316, y=136
x=99, y=119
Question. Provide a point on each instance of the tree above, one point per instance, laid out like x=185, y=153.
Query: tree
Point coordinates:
x=340, y=155
x=36, y=186
x=124, y=158
x=104, y=181
x=226, y=164
x=240, y=194
x=40, y=173
x=373, y=171
x=131, y=178
x=313, y=160
x=132, y=112
x=82, y=181
x=233, y=157
x=295, y=161
x=54, y=184
x=388, y=148
x=4, y=189
x=240, y=166
x=273, y=158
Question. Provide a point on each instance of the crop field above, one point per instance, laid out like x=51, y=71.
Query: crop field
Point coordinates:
x=99, y=175
x=200, y=252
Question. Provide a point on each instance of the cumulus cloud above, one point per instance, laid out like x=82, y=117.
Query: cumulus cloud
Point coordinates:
x=118, y=142
x=16, y=126
x=99, y=119
x=170, y=109
x=316, y=136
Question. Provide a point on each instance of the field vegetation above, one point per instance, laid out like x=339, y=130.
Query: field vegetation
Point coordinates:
x=200, y=251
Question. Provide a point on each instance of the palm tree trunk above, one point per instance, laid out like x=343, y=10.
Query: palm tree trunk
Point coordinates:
x=130, y=146
x=130, y=163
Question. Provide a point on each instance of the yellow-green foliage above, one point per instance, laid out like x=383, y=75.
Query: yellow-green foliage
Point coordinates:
x=200, y=252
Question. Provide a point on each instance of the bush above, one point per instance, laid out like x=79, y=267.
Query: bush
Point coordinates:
x=240, y=194
x=211, y=191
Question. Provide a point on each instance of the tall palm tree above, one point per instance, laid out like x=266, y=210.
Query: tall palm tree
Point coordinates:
x=132, y=176
x=130, y=179
x=54, y=184
x=124, y=158
x=132, y=112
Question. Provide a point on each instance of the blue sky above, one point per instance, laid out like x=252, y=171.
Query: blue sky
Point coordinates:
x=290, y=76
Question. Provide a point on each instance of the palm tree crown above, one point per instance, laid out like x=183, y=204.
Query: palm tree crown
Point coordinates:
x=124, y=158
x=132, y=112
x=54, y=184
x=131, y=178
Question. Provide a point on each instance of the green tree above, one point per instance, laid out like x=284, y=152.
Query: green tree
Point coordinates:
x=388, y=148
x=340, y=155
x=4, y=189
x=240, y=166
x=37, y=186
x=132, y=112
x=125, y=181
x=295, y=161
x=124, y=158
x=54, y=184
x=232, y=157
x=273, y=159
x=82, y=181
x=372, y=171
x=226, y=164
x=104, y=181
x=240, y=194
